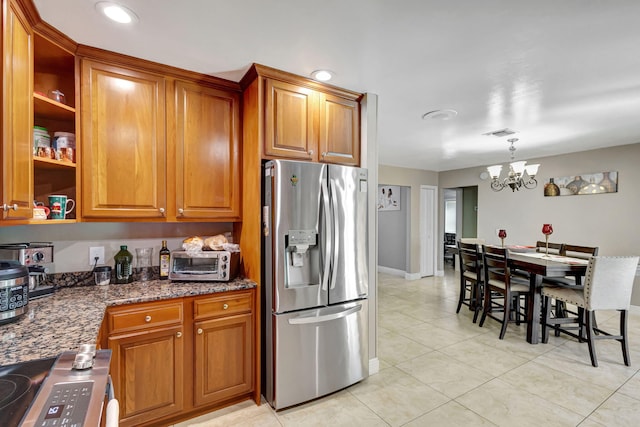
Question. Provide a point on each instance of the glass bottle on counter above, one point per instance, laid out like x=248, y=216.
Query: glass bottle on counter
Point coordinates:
x=165, y=255
x=124, y=261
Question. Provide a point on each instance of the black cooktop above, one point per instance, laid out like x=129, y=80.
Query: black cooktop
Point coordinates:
x=19, y=384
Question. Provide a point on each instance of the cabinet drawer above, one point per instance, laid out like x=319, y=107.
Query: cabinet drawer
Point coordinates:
x=223, y=305
x=144, y=316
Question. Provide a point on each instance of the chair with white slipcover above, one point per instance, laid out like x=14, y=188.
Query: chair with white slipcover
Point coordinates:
x=607, y=286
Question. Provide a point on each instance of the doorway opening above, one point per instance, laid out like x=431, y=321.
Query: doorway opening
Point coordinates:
x=460, y=219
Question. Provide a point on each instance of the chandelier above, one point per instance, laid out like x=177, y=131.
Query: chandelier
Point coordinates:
x=520, y=174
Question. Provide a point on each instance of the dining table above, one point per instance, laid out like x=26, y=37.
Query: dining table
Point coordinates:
x=539, y=265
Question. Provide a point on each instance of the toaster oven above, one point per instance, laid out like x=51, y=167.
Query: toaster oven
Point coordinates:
x=204, y=266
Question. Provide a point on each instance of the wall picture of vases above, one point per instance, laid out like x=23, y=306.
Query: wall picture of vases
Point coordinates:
x=589, y=183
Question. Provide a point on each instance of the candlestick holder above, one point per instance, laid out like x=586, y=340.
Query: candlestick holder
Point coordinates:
x=546, y=230
x=502, y=234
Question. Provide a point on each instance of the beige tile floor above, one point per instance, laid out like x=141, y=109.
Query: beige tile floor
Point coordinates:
x=439, y=369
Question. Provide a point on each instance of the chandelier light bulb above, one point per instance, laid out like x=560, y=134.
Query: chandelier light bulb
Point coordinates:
x=532, y=170
x=494, y=171
x=518, y=167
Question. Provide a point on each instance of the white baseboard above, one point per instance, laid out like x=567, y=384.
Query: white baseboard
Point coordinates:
x=412, y=276
x=374, y=366
x=440, y=273
x=391, y=271
x=400, y=273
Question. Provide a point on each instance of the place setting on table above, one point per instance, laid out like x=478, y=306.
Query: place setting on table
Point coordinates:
x=502, y=234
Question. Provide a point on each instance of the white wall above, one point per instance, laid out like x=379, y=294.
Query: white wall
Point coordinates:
x=609, y=221
x=72, y=241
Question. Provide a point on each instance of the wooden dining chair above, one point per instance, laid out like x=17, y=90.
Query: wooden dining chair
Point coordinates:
x=608, y=285
x=449, y=243
x=470, y=278
x=475, y=240
x=554, y=248
x=499, y=281
x=574, y=251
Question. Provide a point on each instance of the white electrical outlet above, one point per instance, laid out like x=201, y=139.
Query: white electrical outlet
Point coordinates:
x=96, y=251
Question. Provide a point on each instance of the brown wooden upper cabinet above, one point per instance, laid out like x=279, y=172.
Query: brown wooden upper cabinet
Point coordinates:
x=16, y=181
x=157, y=147
x=306, y=120
x=54, y=71
x=207, y=152
x=124, y=142
x=290, y=113
x=37, y=62
x=339, y=139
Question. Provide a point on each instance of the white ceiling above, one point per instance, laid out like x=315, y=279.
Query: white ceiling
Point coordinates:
x=564, y=74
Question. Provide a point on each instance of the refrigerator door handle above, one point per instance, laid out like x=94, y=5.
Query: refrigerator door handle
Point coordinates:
x=336, y=233
x=324, y=279
x=305, y=320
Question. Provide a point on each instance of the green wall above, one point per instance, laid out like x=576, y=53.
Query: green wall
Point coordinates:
x=470, y=211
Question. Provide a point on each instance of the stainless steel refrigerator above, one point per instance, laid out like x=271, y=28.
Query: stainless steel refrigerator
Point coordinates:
x=315, y=316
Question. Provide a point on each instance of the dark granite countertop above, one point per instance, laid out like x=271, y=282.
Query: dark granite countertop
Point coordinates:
x=73, y=315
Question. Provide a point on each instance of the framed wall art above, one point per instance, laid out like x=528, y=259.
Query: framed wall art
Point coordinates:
x=388, y=198
x=591, y=183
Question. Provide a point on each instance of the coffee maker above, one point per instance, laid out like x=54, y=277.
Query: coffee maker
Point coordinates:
x=38, y=257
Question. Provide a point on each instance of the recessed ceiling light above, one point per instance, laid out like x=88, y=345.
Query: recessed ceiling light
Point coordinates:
x=116, y=12
x=322, y=75
x=440, y=115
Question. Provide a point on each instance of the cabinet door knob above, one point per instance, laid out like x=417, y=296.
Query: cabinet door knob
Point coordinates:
x=161, y=210
x=200, y=331
x=311, y=152
x=147, y=319
x=324, y=154
x=181, y=211
x=225, y=306
x=179, y=334
x=15, y=206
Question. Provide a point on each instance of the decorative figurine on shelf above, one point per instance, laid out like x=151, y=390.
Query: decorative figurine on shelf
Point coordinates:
x=502, y=234
x=546, y=230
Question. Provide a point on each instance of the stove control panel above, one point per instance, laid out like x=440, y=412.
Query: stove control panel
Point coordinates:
x=66, y=405
x=73, y=394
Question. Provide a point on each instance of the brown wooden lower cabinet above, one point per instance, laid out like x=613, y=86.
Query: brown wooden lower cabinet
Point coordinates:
x=223, y=362
x=174, y=359
x=147, y=371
